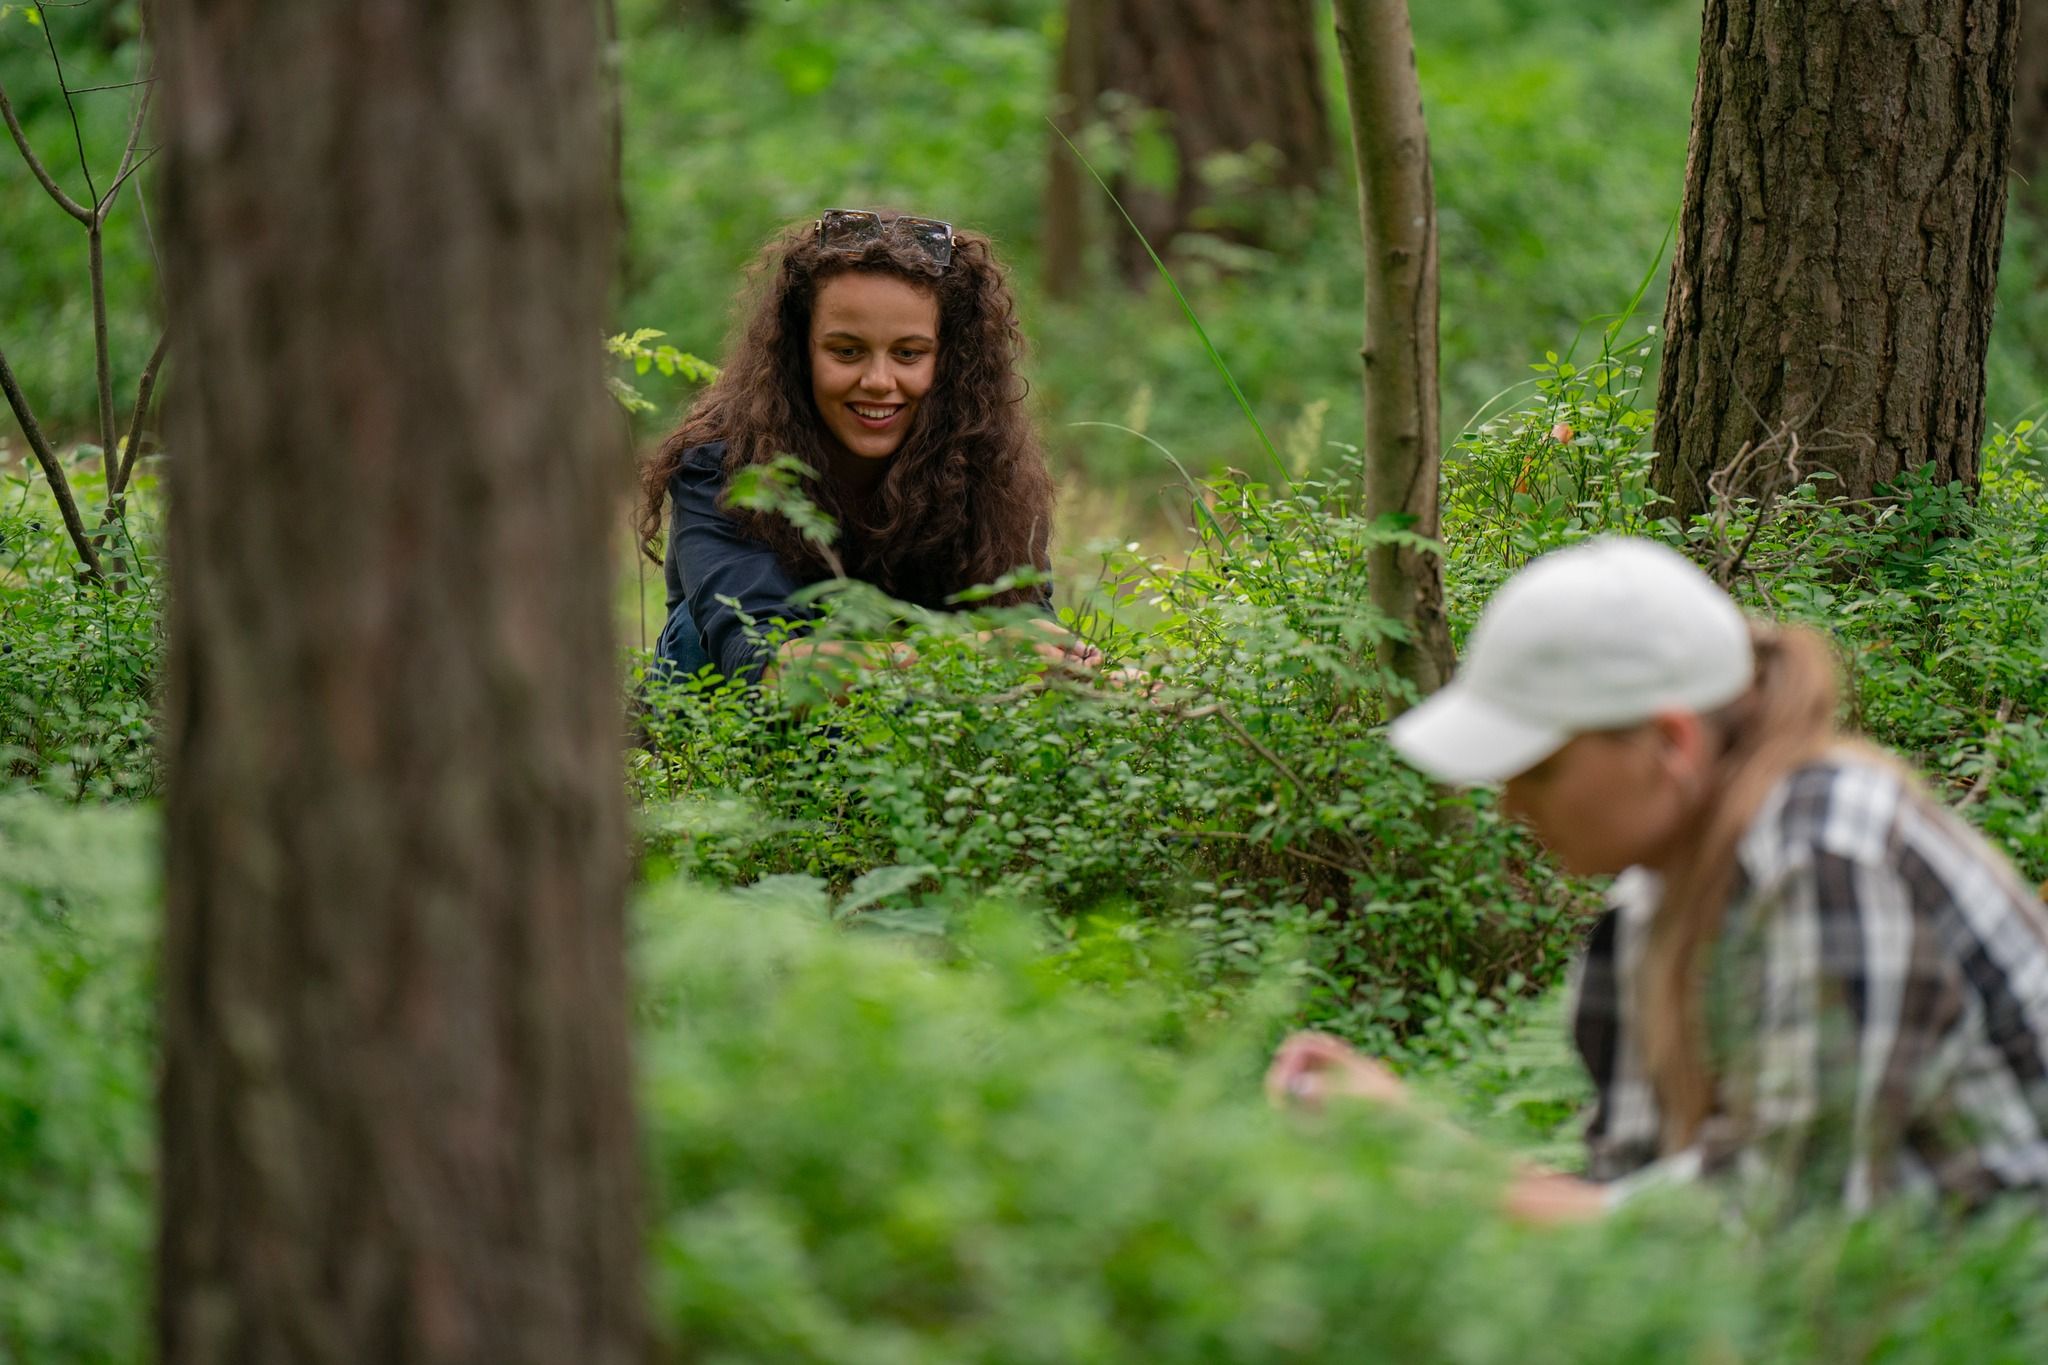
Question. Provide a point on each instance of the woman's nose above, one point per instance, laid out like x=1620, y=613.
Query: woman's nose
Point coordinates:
x=877, y=378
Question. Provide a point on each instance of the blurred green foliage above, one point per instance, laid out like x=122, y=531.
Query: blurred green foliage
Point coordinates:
x=1542, y=125
x=1558, y=134
x=78, y=928
x=863, y=1150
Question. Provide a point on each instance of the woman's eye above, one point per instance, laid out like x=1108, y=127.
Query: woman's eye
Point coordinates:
x=846, y=352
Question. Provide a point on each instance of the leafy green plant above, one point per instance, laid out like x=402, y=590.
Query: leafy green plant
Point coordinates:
x=79, y=659
x=665, y=360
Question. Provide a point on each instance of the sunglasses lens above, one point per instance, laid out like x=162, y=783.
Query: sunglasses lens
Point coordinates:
x=933, y=236
x=848, y=227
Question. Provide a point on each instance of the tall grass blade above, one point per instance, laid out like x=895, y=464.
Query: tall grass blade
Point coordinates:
x=1635, y=301
x=1215, y=357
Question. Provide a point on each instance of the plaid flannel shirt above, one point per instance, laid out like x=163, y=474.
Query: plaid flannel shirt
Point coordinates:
x=1876, y=1009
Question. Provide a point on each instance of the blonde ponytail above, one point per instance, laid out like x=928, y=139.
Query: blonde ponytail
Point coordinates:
x=1785, y=721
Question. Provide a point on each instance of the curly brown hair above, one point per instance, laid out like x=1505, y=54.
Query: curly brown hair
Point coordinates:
x=967, y=497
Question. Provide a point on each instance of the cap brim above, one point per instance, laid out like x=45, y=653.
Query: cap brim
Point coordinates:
x=1457, y=738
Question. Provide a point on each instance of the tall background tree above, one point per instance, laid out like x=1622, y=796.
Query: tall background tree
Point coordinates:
x=396, y=1107
x=1838, y=246
x=1198, y=79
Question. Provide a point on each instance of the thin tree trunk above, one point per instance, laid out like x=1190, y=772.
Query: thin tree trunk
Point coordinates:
x=1221, y=76
x=396, y=1116
x=1397, y=207
x=1838, y=245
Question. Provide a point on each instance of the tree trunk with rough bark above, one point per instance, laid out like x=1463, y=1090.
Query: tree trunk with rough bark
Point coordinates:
x=1838, y=246
x=1397, y=204
x=396, y=1106
x=1211, y=77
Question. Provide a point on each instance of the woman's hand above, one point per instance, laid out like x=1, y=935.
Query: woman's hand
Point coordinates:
x=1309, y=1067
x=1054, y=643
x=1547, y=1197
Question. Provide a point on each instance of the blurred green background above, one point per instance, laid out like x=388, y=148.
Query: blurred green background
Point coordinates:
x=1558, y=133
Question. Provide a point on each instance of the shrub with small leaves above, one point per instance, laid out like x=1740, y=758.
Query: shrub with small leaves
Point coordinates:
x=79, y=659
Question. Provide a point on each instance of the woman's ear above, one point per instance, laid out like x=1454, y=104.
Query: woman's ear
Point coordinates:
x=1681, y=739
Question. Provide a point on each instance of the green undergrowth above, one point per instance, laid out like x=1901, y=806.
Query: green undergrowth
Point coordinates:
x=79, y=660
x=875, y=1146
x=1238, y=802
x=1239, y=797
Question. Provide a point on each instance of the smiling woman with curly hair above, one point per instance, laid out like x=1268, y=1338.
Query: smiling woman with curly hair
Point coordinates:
x=880, y=351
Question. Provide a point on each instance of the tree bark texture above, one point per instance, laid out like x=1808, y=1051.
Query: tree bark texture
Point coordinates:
x=1222, y=75
x=1397, y=208
x=396, y=1109
x=1838, y=245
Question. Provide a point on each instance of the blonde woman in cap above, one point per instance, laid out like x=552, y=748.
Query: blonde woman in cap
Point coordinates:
x=1812, y=981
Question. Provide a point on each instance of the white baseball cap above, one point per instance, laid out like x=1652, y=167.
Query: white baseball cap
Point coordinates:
x=1593, y=637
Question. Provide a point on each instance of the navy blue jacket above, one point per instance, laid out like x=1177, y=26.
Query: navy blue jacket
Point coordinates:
x=709, y=557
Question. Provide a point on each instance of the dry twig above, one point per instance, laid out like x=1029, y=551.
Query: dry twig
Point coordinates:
x=54, y=471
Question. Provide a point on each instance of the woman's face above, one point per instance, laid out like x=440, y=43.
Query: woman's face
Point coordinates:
x=1612, y=800
x=874, y=343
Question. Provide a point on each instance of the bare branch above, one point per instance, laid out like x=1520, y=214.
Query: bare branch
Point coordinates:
x=156, y=258
x=129, y=165
x=35, y=164
x=114, y=189
x=1232, y=834
x=117, y=85
x=1273, y=760
x=60, y=485
x=102, y=356
x=145, y=388
x=77, y=129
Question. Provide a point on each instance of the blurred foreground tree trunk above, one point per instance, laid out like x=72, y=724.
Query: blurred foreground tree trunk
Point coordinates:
x=1183, y=82
x=1397, y=208
x=1838, y=246
x=396, y=1110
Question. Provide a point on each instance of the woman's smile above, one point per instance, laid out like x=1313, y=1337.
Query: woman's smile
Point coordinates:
x=876, y=415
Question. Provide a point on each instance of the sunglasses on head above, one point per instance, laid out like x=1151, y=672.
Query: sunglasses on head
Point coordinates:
x=852, y=229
